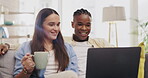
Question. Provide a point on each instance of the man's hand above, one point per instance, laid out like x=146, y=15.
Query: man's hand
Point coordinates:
x=4, y=48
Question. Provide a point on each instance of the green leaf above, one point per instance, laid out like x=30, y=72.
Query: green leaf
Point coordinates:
x=146, y=24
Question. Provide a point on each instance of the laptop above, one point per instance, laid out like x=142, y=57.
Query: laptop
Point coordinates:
x=122, y=62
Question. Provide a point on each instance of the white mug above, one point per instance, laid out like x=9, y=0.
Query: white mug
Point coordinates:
x=41, y=59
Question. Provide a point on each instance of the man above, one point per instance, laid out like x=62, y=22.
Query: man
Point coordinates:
x=81, y=40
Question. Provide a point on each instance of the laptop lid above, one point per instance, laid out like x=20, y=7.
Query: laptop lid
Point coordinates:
x=122, y=62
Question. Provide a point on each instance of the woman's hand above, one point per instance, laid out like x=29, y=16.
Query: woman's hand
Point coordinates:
x=28, y=63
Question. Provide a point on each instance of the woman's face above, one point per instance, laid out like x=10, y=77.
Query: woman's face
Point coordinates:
x=51, y=26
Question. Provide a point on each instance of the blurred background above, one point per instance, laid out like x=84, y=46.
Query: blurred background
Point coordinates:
x=17, y=18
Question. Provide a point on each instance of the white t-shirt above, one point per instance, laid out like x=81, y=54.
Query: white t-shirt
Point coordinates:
x=80, y=49
x=52, y=66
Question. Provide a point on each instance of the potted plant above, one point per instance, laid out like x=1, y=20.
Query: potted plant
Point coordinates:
x=143, y=32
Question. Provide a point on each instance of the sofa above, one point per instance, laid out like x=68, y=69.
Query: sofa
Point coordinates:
x=146, y=66
x=7, y=64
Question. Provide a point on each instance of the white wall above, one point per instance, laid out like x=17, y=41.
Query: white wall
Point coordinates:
x=142, y=9
x=133, y=24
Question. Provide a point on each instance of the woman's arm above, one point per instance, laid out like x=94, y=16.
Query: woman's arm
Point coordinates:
x=28, y=67
x=73, y=62
x=24, y=64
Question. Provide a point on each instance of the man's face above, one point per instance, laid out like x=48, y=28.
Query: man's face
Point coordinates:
x=82, y=26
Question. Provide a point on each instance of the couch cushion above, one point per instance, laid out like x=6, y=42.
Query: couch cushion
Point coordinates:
x=7, y=64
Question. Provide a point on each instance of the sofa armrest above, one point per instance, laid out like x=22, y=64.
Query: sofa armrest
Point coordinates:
x=7, y=62
x=146, y=66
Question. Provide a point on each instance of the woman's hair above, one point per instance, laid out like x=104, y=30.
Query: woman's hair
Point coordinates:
x=81, y=11
x=37, y=43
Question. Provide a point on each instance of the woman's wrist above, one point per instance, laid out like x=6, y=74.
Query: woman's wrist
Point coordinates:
x=26, y=72
x=23, y=74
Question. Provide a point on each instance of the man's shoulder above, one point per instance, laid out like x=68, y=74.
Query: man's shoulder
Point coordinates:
x=97, y=39
x=99, y=42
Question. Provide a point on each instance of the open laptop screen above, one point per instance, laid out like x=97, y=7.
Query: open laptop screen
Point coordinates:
x=122, y=62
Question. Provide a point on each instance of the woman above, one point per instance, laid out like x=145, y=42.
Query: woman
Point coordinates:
x=47, y=37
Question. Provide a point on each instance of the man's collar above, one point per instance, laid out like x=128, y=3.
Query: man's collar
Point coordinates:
x=75, y=38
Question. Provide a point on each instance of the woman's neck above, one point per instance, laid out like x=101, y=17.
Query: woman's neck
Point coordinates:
x=48, y=45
